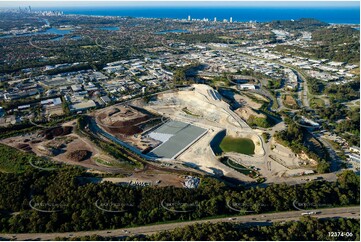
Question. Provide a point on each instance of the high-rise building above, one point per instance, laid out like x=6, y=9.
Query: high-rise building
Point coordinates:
x=215, y=19
x=189, y=18
x=230, y=19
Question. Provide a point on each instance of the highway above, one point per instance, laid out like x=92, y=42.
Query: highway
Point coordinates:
x=302, y=80
x=346, y=212
x=304, y=91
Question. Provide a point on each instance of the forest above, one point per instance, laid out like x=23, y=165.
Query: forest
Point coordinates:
x=338, y=43
x=303, y=24
x=315, y=86
x=351, y=125
x=343, y=93
x=343, y=121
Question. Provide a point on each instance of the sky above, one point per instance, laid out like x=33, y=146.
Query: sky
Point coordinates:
x=90, y=3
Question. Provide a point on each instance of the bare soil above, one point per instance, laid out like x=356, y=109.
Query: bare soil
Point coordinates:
x=290, y=101
x=57, y=131
x=79, y=155
x=246, y=112
x=121, y=119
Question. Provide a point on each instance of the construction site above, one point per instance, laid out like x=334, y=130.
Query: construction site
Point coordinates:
x=127, y=123
x=189, y=129
x=62, y=144
x=194, y=127
x=201, y=110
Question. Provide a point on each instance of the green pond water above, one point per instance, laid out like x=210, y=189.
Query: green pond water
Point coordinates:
x=239, y=145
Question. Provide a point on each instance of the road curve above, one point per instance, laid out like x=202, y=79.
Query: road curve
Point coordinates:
x=346, y=212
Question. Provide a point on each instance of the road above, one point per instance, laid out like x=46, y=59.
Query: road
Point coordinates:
x=346, y=212
x=302, y=80
x=303, y=97
x=334, y=158
x=304, y=90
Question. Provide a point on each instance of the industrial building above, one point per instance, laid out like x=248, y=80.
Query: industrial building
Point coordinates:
x=176, y=137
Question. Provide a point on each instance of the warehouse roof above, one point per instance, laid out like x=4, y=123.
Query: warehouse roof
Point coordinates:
x=181, y=136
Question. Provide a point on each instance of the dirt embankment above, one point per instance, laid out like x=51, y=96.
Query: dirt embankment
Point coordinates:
x=124, y=120
x=129, y=127
x=246, y=112
x=46, y=134
x=55, y=132
x=79, y=155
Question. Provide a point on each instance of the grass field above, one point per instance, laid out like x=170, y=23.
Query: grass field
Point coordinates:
x=239, y=145
x=317, y=102
x=290, y=102
x=274, y=101
x=356, y=71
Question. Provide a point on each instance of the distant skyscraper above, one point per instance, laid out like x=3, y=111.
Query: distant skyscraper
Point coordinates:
x=189, y=18
x=230, y=19
x=215, y=19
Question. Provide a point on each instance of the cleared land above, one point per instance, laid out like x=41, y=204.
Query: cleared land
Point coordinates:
x=62, y=144
x=121, y=119
x=213, y=115
x=148, y=178
x=128, y=123
x=247, y=112
x=290, y=102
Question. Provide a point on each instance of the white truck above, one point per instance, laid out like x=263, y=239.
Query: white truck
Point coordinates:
x=309, y=213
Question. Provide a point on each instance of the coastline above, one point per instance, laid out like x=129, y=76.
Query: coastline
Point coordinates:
x=341, y=15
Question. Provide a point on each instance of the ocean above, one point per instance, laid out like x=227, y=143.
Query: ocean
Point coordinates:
x=344, y=15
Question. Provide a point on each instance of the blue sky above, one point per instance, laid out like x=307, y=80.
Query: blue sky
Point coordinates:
x=63, y=3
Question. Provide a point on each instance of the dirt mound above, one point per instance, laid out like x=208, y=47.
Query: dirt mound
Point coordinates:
x=123, y=120
x=23, y=146
x=113, y=111
x=79, y=155
x=57, y=131
x=129, y=130
x=35, y=141
x=122, y=114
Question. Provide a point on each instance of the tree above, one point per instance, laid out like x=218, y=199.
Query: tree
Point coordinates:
x=323, y=166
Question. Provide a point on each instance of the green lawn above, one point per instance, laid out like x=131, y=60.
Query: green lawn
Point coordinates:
x=317, y=102
x=239, y=145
